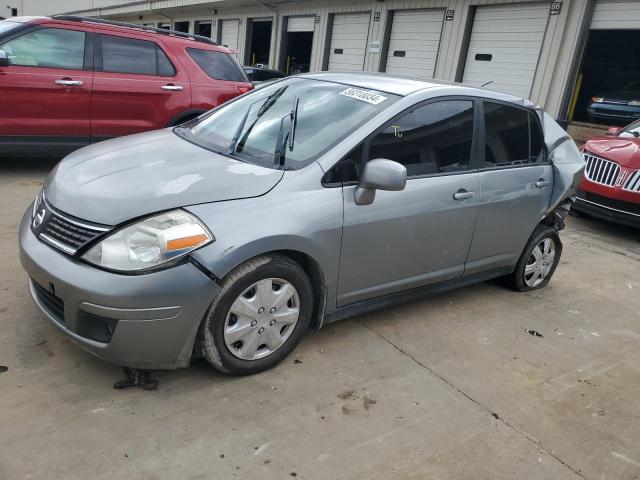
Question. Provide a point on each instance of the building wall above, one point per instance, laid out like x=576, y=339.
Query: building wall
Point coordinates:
x=552, y=83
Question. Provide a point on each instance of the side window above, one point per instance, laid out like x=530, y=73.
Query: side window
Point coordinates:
x=506, y=135
x=434, y=138
x=347, y=169
x=48, y=47
x=537, y=139
x=126, y=55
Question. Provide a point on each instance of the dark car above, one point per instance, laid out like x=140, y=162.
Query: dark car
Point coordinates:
x=260, y=75
x=66, y=82
x=619, y=105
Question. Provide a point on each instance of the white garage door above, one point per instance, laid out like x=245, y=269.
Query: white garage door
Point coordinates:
x=230, y=33
x=349, y=37
x=504, y=47
x=414, y=42
x=301, y=24
x=616, y=15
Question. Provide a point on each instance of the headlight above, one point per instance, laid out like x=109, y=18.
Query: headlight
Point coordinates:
x=635, y=103
x=597, y=99
x=36, y=203
x=150, y=242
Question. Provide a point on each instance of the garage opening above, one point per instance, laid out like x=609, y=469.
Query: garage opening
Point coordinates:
x=202, y=27
x=608, y=85
x=259, y=41
x=298, y=42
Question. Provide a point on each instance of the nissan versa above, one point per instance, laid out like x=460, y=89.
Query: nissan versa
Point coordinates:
x=315, y=198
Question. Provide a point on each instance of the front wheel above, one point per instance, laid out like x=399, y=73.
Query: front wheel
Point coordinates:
x=538, y=262
x=259, y=316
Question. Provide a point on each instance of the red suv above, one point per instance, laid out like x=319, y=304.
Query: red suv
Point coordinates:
x=67, y=81
x=611, y=185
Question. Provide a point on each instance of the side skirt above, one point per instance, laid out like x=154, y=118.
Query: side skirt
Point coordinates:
x=378, y=303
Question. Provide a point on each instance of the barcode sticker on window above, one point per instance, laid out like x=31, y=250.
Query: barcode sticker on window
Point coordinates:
x=363, y=95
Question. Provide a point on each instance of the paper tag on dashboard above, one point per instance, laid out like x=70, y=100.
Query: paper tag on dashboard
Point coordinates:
x=363, y=95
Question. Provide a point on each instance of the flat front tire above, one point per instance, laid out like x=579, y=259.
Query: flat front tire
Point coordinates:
x=538, y=261
x=261, y=313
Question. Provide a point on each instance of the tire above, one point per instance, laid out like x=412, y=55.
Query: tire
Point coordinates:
x=228, y=334
x=525, y=279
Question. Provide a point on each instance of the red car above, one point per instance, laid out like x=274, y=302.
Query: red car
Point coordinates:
x=68, y=81
x=611, y=185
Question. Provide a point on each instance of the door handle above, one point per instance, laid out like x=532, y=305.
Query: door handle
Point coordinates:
x=68, y=83
x=541, y=183
x=462, y=195
x=172, y=88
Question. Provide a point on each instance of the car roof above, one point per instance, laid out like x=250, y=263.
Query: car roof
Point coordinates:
x=405, y=86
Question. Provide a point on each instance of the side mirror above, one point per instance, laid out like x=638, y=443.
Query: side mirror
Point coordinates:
x=614, y=131
x=379, y=174
x=4, y=59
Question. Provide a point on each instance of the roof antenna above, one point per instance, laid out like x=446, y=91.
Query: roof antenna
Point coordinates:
x=485, y=84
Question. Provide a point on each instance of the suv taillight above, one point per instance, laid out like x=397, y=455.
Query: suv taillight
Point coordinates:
x=245, y=89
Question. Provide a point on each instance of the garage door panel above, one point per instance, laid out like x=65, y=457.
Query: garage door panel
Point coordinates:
x=349, y=38
x=416, y=33
x=616, y=15
x=230, y=33
x=512, y=35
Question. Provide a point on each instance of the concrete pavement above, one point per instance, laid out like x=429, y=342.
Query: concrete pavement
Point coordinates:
x=451, y=387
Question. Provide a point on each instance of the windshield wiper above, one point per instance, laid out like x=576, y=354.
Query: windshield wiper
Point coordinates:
x=268, y=103
x=282, y=140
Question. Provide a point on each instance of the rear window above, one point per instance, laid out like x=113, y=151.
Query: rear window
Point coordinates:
x=218, y=65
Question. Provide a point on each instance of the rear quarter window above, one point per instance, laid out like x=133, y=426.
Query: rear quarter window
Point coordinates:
x=218, y=65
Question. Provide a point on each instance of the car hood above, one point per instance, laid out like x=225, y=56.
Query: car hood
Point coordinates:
x=117, y=180
x=620, y=96
x=625, y=151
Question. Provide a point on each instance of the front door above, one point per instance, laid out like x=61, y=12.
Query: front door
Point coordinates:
x=420, y=235
x=46, y=90
x=516, y=181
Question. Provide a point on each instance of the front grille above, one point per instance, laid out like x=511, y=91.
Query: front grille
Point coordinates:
x=601, y=171
x=633, y=183
x=63, y=232
x=48, y=300
x=610, y=202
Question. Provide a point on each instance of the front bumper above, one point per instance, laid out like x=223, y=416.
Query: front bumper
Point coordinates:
x=139, y=321
x=624, y=213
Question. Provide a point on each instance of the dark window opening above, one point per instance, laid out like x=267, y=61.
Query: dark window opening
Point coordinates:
x=432, y=139
x=260, y=45
x=298, y=52
x=483, y=57
x=203, y=29
x=181, y=27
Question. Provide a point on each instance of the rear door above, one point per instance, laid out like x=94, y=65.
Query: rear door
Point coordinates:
x=46, y=90
x=420, y=235
x=349, y=37
x=136, y=87
x=516, y=181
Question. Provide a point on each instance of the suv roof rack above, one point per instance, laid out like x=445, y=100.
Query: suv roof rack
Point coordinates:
x=162, y=31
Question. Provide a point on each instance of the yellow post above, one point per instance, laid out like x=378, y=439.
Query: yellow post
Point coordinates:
x=574, y=97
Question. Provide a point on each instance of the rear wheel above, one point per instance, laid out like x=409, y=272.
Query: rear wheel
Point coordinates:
x=261, y=313
x=538, y=262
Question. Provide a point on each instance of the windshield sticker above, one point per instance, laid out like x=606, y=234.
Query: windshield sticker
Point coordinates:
x=363, y=95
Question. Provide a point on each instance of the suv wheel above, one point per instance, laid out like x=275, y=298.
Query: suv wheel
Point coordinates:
x=261, y=313
x=538, y=262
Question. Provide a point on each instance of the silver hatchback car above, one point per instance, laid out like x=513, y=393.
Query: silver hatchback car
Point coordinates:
x=312, y=199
